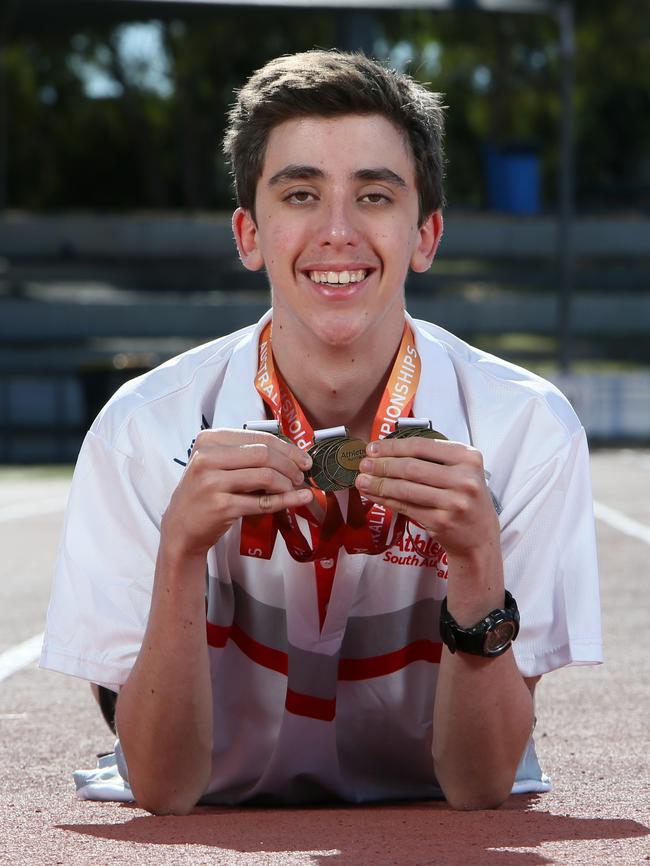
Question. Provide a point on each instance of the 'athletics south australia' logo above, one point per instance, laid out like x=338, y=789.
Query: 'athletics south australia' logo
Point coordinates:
x=420, y=550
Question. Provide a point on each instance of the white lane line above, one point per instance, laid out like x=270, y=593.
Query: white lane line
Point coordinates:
x=32, y=509
x=618, y=520
x=19, y=656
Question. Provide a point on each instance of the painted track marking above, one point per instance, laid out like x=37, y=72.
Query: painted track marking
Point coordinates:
x=19, y=656
x=617, y=520
x=32, y=509
x=23, y=654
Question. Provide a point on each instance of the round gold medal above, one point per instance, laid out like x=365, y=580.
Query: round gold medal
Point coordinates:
x=350, y=453
x=345, y=459
x=423, y=431
x=320, y=474
x=336, y=462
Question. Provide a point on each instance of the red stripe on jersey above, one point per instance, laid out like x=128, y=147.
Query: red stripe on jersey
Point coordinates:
x=349, y=669
x=307, y=705
x=266, y=656
x=379, y=666
x=262, y=655
x=217, y=634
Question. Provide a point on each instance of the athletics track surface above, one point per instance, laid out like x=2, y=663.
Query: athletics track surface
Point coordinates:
x=593, y=736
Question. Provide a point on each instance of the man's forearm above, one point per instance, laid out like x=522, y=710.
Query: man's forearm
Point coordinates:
x=164, y=710
x=483, y=711
x=483, y=717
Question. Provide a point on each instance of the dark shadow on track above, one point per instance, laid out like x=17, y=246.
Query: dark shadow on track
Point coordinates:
x=382, y=835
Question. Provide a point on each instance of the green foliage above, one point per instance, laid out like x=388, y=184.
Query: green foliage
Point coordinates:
x=613, y=97
x=148, y=147
x=137, y=148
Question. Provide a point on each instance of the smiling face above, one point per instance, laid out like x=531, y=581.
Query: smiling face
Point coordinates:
x=336, y=227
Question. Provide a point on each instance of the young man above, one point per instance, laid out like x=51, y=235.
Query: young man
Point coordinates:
x=359, y=640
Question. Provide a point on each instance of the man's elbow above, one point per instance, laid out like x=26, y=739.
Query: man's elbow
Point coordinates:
x=172, y=803
x=469, y=796
x=472, y=801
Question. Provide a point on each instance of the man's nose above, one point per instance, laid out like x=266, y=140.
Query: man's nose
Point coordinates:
x=339, y=225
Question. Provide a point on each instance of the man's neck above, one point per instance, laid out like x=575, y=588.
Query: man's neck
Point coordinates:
x=340, y=385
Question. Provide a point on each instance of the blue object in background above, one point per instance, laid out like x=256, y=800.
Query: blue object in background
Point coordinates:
x=513, y=179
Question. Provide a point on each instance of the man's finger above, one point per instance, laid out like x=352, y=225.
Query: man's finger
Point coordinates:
x=256, y=455
x=232, y=437
x=251, y=480
x=398, y=489
x=269, y=503
x=436, y=450
x=424, y=517
x=410, y=468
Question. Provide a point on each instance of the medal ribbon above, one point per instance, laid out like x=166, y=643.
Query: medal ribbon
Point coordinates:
x=367, y=526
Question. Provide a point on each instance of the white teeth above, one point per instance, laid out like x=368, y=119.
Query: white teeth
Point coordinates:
x=335, y=278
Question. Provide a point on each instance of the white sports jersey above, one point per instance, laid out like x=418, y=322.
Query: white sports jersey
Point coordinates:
x=302, y=713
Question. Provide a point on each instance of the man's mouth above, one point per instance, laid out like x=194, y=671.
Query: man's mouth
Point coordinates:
x=337, y=278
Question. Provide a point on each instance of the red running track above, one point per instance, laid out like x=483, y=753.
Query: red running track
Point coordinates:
x=593, y=738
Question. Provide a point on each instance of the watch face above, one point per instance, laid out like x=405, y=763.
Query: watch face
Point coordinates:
x=499, y=637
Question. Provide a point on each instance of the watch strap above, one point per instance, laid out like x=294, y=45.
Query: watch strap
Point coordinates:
x=490, y=637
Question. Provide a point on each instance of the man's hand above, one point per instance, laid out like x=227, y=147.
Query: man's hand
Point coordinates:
x=165, y=706
x=483, y=710
x=232, y=474
x=438, y=484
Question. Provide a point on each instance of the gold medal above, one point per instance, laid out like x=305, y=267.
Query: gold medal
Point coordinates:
x=336, y=461
x=319, y=474
x=350, y=453
x=405, y=428
x=332, y=467
x=344, y=461
x=326, y=465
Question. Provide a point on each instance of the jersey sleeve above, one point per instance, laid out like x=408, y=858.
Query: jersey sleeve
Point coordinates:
x=549, y=547
x=103, y=577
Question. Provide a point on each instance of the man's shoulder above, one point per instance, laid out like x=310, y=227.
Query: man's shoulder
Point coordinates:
x=484, y=378
x=171, y=390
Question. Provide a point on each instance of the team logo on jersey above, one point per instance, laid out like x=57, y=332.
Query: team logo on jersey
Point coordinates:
x=204, y=426
x=420, y=551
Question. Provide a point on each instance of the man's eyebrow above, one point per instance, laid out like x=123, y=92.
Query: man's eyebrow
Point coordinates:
x=310, y=172
x=386, y=175
x=296, y=172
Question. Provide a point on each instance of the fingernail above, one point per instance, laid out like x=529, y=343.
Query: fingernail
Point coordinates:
x=365, y=465
x=372, y=448
x=364, y=481
x=306, y=461
x=304, y=495
x=299, y=478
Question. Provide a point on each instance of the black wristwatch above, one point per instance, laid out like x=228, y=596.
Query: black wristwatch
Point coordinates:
x=490, y=637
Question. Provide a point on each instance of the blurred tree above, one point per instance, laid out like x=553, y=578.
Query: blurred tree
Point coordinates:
x=613, y=99
x=65, y=149
x=497, y=74
x=208, y=60
x=135, y=146
x=143, y=145
x=500, y=74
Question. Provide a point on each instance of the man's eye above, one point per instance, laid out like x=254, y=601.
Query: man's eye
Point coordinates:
x=375, y=198
x=301, y=196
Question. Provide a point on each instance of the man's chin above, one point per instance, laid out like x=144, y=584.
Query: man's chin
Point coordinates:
x=340, y=331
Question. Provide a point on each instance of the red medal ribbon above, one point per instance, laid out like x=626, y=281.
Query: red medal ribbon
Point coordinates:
x=367, y=525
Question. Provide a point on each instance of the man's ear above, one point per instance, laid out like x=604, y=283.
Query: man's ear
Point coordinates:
x=429, y=235
x=245, y=232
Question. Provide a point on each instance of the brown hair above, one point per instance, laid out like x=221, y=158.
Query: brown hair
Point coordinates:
x=328, y=84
